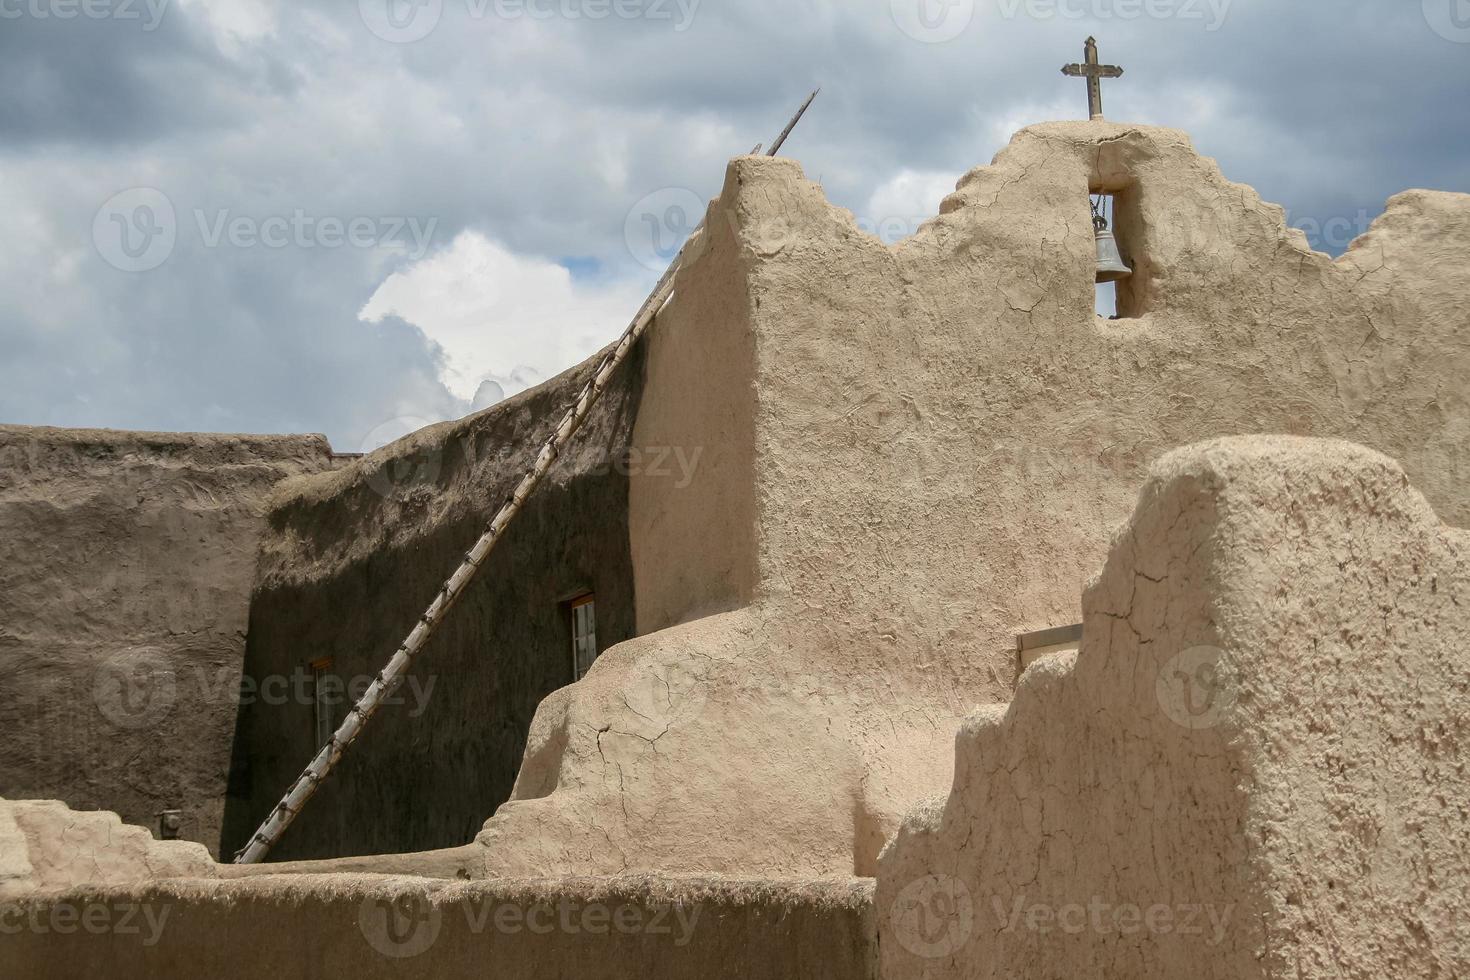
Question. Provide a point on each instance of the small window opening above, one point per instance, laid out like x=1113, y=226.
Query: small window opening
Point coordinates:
x=584, y=635
x=323, y=700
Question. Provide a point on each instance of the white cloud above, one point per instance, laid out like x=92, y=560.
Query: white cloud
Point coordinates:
x=1001, y=126
x=236, y=23
x=512, y=319
x=905, y=201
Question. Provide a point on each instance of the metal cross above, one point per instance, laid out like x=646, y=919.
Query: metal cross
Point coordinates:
x=1094, y=73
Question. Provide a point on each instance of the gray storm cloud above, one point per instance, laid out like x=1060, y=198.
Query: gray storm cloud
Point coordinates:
x=534, y=137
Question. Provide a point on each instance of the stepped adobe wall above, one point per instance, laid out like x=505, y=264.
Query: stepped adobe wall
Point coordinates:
x=1254, y=767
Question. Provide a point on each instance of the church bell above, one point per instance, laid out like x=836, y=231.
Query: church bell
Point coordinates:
x=1110, y=264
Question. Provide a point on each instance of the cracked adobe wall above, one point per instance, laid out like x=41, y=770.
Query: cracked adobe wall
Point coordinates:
x=940, y=437
x=1255, y=766
x=46, y=846
x=125, y=580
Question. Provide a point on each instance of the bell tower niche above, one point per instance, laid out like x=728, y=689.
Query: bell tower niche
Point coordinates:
x=1111, y=266
x=1118, y=235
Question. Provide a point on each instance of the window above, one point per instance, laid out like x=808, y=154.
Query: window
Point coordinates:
x=584, y=635
x=323, y=723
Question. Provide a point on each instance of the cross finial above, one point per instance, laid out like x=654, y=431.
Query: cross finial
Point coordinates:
x=1094, y=73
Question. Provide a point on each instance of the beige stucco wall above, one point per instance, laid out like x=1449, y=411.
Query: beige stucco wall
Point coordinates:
x=941, y=437
x=693, y=537
x=1255, y=766
x=46, y=846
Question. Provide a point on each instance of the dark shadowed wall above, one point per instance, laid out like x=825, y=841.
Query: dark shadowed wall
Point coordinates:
x=350, y=563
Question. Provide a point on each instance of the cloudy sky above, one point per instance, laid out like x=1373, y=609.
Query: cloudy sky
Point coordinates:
x=346, y=217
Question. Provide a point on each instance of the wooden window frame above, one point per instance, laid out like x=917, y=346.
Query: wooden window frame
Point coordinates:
x=318, y=670
x=579, y=602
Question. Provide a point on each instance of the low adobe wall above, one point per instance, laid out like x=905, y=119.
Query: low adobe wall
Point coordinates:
x=47, y=846
x=1255, y=766
x=126, y=563
x=370, y=927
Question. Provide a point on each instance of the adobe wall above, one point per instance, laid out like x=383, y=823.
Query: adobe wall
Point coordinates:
x=45, y=846
x=371, y=927
x=942, y=436
x=126, y=562
x=1255, y=766
x=352, y=560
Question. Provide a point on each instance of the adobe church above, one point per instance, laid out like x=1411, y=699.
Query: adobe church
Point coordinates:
x=988, y=637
